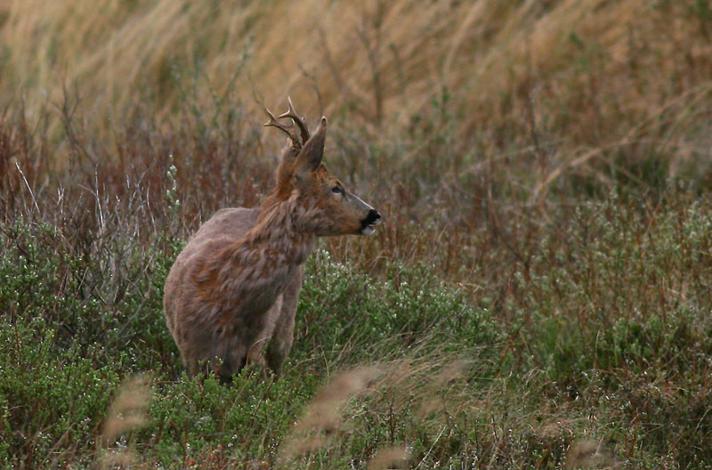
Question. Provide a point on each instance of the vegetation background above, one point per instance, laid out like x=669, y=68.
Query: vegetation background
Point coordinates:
x=538, y=296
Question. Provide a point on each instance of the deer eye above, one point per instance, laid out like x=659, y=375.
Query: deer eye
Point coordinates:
x=337, y=190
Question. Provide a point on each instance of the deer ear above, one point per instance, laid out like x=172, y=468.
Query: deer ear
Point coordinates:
x=312, y=152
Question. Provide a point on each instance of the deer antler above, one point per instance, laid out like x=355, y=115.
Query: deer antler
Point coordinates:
x=299, y=121
x=273, y=122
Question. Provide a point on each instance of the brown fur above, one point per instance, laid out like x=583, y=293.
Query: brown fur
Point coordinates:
x=231, y=295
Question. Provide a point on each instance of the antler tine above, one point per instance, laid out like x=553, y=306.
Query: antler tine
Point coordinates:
x=299, y=121
x=273, y=122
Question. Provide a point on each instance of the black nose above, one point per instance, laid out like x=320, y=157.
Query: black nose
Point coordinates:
x=372, y=216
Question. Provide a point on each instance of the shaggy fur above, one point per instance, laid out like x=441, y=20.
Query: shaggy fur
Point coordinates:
x=231, y=295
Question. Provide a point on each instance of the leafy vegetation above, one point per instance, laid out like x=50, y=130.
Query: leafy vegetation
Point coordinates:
x=605, y=335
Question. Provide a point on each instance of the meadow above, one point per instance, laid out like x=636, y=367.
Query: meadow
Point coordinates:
x=538, y=296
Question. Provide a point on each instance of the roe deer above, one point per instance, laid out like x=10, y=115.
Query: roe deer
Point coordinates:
x=233, y=290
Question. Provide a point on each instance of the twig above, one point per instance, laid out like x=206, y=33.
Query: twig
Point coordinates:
x=27, y=184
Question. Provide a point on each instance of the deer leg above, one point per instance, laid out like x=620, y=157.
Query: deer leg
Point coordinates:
x=283, y=335
x=255, y=352
x=231, y=363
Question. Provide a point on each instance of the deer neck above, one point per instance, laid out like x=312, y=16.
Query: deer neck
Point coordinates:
x=279, y=234
x=257, y=267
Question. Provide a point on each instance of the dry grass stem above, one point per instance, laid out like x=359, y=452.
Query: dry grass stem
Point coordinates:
x=589, y=454
x=127, y=413
x=322, y=418
x=388, y=458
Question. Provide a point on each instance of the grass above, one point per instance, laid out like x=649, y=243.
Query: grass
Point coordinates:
x=538, y=296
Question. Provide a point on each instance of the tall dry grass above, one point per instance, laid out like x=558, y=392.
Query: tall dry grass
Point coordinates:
x=561, y=73
x=478, y=110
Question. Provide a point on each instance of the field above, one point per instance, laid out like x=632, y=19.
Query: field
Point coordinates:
x=538, y=296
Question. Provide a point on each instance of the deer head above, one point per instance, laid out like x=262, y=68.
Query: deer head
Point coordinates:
x=324, y=206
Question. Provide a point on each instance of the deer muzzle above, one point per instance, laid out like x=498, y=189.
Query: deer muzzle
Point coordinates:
x=368, y=225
